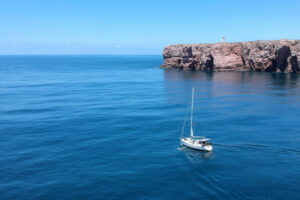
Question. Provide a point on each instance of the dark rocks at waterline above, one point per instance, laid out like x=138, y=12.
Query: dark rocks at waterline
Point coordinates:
x=267, y=56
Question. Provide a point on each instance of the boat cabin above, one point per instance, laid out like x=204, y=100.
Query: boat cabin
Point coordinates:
x=204, y=141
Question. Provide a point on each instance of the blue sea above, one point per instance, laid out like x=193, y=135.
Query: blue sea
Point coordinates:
x=108, y=127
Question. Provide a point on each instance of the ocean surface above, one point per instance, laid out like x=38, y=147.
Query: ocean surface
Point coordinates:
x=108, y=127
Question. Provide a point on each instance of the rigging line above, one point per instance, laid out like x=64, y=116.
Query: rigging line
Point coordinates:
x=187, y=112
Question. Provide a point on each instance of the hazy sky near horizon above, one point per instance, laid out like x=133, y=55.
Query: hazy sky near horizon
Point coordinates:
x=139, y=26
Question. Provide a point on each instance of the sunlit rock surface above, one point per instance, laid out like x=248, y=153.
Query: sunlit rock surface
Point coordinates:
x=268, y=56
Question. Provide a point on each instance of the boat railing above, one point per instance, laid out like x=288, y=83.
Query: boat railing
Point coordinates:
x=202, y=137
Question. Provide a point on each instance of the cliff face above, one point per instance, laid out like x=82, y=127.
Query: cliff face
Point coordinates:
x=268, y=56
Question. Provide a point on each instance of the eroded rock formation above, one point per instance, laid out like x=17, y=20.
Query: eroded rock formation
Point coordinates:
x=268, y=56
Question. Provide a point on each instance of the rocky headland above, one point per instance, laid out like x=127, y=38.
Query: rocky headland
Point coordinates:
x=267, y=56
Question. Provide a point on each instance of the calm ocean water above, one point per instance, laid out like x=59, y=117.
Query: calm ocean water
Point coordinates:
x=108, y=127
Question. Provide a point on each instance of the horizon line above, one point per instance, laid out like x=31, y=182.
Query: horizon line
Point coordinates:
x=80, y=54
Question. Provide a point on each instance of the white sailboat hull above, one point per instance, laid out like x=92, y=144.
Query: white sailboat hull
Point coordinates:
x=195, y=144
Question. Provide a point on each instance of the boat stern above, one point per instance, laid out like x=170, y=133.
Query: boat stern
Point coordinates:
x=208, y=147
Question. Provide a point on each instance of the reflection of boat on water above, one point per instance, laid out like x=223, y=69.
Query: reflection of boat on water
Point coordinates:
x=195, y=142
x=195, y=156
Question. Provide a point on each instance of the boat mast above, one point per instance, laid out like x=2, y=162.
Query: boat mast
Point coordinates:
x=192, y=133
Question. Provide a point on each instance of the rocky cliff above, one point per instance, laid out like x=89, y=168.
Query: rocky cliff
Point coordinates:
x=268, y=56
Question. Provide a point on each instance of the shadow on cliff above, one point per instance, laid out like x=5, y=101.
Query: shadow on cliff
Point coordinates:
x=283, y=61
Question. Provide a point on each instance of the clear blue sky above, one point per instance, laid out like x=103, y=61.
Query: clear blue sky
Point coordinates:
x=139, y=26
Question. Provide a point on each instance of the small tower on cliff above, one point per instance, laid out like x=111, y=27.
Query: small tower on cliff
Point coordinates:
x=223, y=39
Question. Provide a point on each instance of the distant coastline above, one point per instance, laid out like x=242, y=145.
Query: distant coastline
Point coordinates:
x=267, y=56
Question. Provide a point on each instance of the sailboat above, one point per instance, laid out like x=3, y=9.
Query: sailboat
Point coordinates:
x=195, y=142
